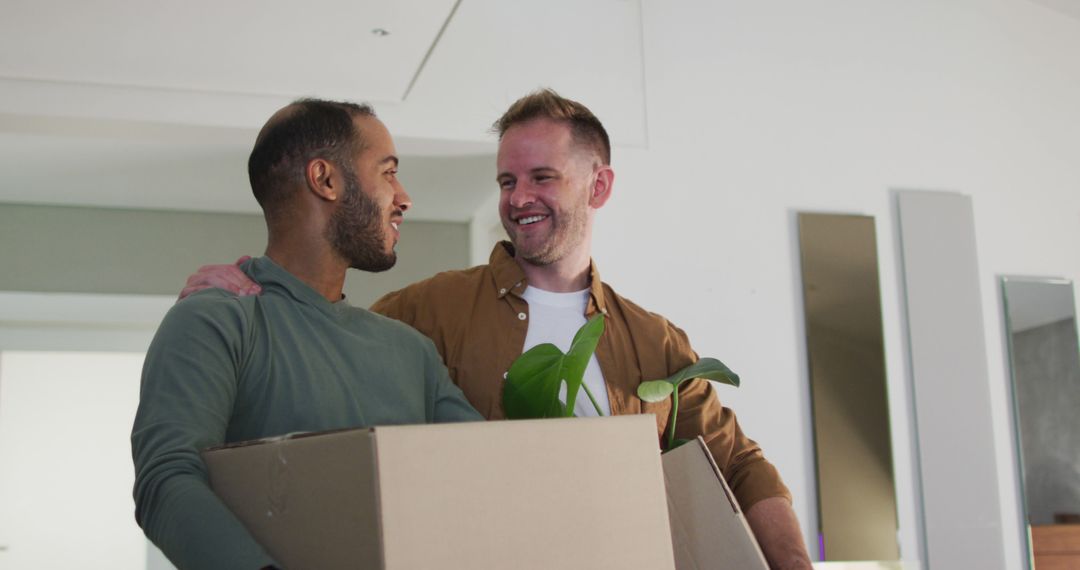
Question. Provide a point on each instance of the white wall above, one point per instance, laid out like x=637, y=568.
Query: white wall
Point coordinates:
x=65, y=418
x=59, y=352
x=760, y=109
x=485, y=229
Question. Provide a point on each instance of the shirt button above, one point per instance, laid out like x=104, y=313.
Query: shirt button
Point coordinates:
x=502, y=291
x=522, y=316
x=505, y=374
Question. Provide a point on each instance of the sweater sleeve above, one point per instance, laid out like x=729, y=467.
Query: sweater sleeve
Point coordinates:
x=448, y=402
x=189, y=384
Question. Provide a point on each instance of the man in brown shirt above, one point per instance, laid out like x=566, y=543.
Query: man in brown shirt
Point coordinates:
x=554, y=172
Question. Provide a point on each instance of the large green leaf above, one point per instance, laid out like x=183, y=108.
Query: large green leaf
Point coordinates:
x=581, y=350
x=532, y=384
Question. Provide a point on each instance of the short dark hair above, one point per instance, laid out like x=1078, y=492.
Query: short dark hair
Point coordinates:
x=306, y=130
x=585, y=128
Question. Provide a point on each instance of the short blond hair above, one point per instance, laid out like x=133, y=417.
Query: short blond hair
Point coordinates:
x=585, y=128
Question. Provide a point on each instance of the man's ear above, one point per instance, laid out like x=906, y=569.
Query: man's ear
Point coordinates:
x=323, y=179
x=601, y=187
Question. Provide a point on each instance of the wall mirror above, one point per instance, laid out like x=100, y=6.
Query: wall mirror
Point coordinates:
x=1044, y=355
x=856, y=495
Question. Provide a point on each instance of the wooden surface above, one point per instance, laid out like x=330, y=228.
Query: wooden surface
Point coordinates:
x=1056, y=546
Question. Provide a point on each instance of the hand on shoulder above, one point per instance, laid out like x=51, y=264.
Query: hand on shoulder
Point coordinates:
x=222, y=276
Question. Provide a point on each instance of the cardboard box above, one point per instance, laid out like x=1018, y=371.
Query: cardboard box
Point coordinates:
x=708, y=529
x=545, y=494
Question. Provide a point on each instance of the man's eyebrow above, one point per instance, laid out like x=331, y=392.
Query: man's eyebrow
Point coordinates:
x=390, y=158
x=531, y=171
x=536, y=170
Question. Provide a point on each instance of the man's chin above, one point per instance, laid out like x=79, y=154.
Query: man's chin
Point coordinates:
x=533, y=256
x=375, y=264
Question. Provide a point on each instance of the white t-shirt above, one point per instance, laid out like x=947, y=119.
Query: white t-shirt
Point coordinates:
x=556, y=318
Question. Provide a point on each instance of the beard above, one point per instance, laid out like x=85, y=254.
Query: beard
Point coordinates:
x=357, y=232
x=567, y=232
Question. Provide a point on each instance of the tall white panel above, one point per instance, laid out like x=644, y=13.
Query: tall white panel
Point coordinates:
x=949, y=377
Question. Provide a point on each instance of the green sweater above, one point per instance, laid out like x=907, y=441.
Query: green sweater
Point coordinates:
x=223, y=368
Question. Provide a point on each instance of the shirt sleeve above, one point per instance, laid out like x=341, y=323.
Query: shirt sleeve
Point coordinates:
x=394, y=306
x=750, y=476
x=189, y=384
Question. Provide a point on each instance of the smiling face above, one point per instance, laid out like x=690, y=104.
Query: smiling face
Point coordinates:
x=546, y=197
x=363, y=228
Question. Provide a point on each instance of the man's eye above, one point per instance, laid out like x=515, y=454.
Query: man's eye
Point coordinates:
x=506, y=184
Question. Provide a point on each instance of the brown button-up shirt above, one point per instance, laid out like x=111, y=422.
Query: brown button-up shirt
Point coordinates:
x=478, y=321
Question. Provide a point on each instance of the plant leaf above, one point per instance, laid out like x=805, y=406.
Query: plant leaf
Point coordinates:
x=710, y=368
x=655, y=390
x=532, y=384
x=577, y=359
x=534, y=380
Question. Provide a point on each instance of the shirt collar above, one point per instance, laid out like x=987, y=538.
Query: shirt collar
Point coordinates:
x=509, y=278
x=267, y=273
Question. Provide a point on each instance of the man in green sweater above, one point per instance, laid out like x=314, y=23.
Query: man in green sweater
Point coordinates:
x=297, y=357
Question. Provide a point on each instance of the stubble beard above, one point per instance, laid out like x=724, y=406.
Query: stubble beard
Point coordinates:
x=356, y=230
x=567, y=233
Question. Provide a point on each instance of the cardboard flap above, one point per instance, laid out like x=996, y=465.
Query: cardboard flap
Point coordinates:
x=708, y=529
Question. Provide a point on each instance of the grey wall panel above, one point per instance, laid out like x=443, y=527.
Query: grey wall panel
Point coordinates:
x=949, y=378
x=151, y=252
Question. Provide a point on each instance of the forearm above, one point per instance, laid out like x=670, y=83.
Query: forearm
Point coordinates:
x=173, y=501
x=194, y=529
x=449, y=402
x=777, y=530
x=451, y=406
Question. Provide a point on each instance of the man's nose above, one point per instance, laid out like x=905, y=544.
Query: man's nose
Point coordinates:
x=522, y=195
x=402, y=201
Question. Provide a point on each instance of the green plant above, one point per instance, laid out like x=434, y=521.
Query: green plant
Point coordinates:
x=532, y=384
x=657, y=390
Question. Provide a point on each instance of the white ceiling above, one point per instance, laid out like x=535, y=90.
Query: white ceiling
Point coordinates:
x=239, y=46
x=154, y=105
